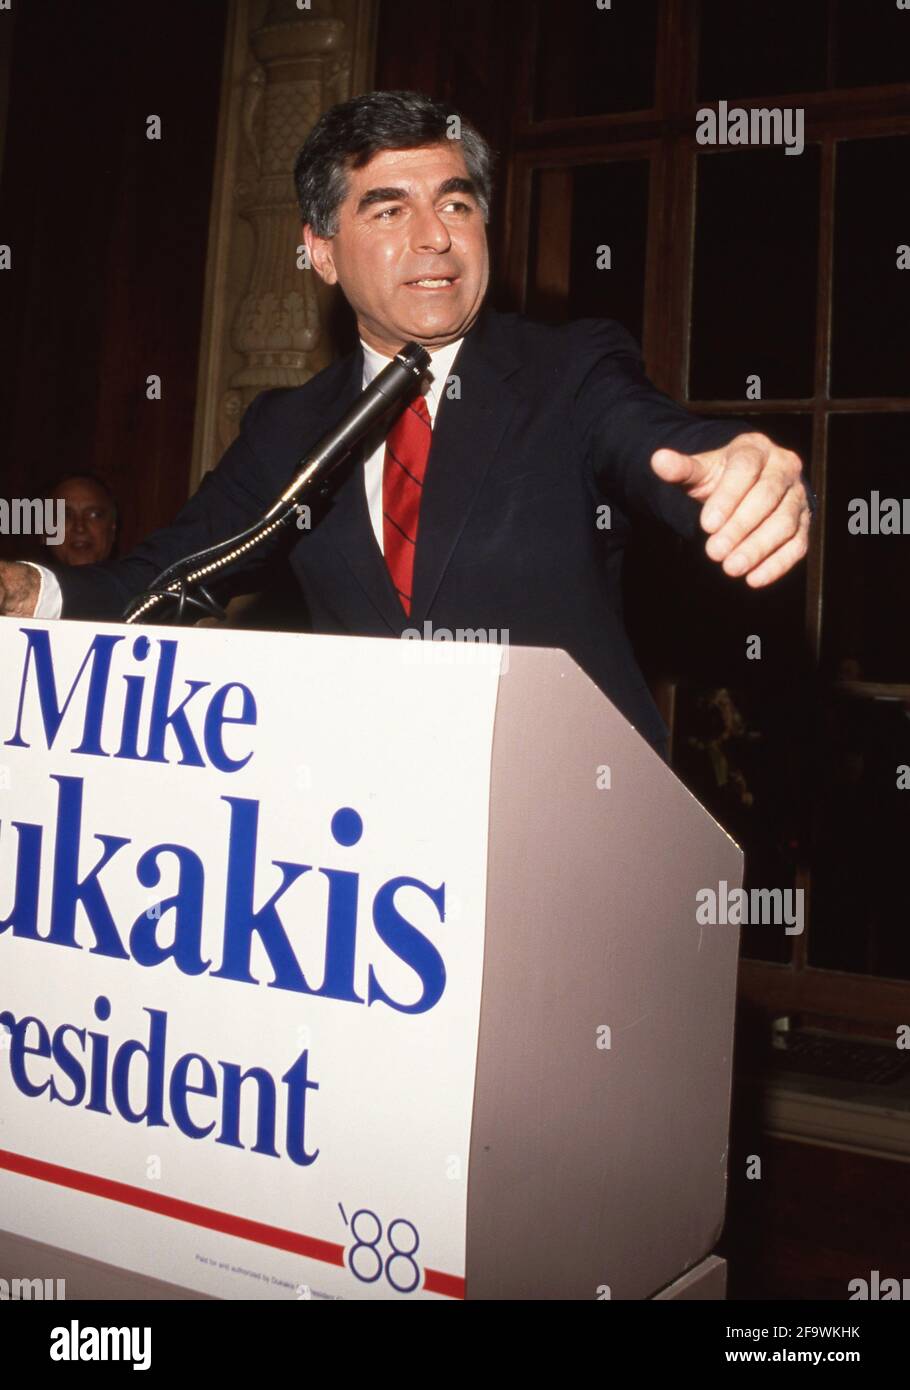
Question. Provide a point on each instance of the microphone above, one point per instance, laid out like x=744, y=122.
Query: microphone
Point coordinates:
x=386, y=391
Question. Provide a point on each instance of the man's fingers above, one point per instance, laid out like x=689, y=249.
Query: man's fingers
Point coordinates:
x=759, y=499
x=783, y=559
x=755, y=504
x=740, y=477
x=768, y=536
x=762, y=502
x=19, y=588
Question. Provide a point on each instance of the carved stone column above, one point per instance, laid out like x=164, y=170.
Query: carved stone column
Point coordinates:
x=264, y=319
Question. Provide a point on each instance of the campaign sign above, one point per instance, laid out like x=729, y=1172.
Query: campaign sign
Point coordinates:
x=242, y=896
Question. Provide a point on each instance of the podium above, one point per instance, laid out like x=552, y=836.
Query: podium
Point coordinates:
x=522, y=1064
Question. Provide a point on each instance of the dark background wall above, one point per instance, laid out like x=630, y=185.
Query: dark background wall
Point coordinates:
x=108, y=229
x=462, y=56
x=108, y=236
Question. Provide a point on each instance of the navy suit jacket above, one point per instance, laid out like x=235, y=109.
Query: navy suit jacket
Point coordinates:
x=548, y=423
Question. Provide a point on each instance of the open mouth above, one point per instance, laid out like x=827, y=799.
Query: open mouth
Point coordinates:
x=433, y=282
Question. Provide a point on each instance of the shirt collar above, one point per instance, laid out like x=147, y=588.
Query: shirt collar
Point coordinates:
x=440, y=366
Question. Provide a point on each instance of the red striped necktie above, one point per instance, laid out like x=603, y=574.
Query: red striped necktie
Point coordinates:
x=407, y=448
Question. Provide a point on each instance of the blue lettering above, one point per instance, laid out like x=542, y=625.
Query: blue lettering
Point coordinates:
x=230, y=1109
x=153, y=1113
x=215, y=719
x=68, y=889
x=68, y=1065
x=341, y=927
x=19, y=1050
x=187, y=906
x=98, y=1095
x=409, y=944
x=240, y=921
x=52, y=715
x=24, y=915
x=295, y=1078
x=132, y=708
x=163, y=719
x=180, y=1088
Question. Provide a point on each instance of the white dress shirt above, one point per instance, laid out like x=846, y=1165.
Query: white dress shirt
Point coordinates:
x=433, y=387
x=50, y=599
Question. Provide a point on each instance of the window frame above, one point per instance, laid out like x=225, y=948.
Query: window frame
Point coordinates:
x=665, y=135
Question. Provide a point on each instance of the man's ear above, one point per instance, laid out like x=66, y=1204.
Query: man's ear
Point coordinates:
x=319, y=250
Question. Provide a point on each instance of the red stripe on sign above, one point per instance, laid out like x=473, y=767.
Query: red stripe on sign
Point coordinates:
x=449, y=1284
x=434, y=1280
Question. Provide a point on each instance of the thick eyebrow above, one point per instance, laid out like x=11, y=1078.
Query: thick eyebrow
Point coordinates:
x=401, y=195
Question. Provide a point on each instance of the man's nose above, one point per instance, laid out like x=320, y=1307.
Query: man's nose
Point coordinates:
x=78, y=523
x=429, y=232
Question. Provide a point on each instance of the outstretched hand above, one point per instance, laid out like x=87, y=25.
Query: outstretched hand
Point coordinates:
x=756, y=506
x=19, y=587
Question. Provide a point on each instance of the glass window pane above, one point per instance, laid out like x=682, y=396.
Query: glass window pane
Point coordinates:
x=589, y=234
x=741, y=731
x=756, y=253
x=872, y=43
x=592, y=61
x=870, y=294
x=610, y=210
x=867, y=575
x=754, y=47
x=687, y=616
x=742, y=752
x=860, y=885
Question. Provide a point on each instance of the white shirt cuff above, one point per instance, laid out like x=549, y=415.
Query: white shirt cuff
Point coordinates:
x=50, y=598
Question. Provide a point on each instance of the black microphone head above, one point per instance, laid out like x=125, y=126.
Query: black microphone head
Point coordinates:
x=414, y=357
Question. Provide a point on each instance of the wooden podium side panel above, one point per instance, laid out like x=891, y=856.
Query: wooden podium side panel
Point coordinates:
x=598, y=1159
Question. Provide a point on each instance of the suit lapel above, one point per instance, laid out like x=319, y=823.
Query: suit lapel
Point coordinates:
x=467, y=434
x=354, y=536
x=347, y=524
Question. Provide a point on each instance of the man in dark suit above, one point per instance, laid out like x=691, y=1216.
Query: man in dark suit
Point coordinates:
x=500, y=499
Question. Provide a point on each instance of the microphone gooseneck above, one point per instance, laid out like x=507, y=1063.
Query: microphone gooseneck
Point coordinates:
x=385, y=392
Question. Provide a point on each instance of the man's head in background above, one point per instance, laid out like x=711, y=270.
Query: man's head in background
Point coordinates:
x=90, y=520
x=390, y=197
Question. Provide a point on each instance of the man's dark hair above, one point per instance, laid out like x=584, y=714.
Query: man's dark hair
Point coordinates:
x=348, y=135
x=51, y=485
